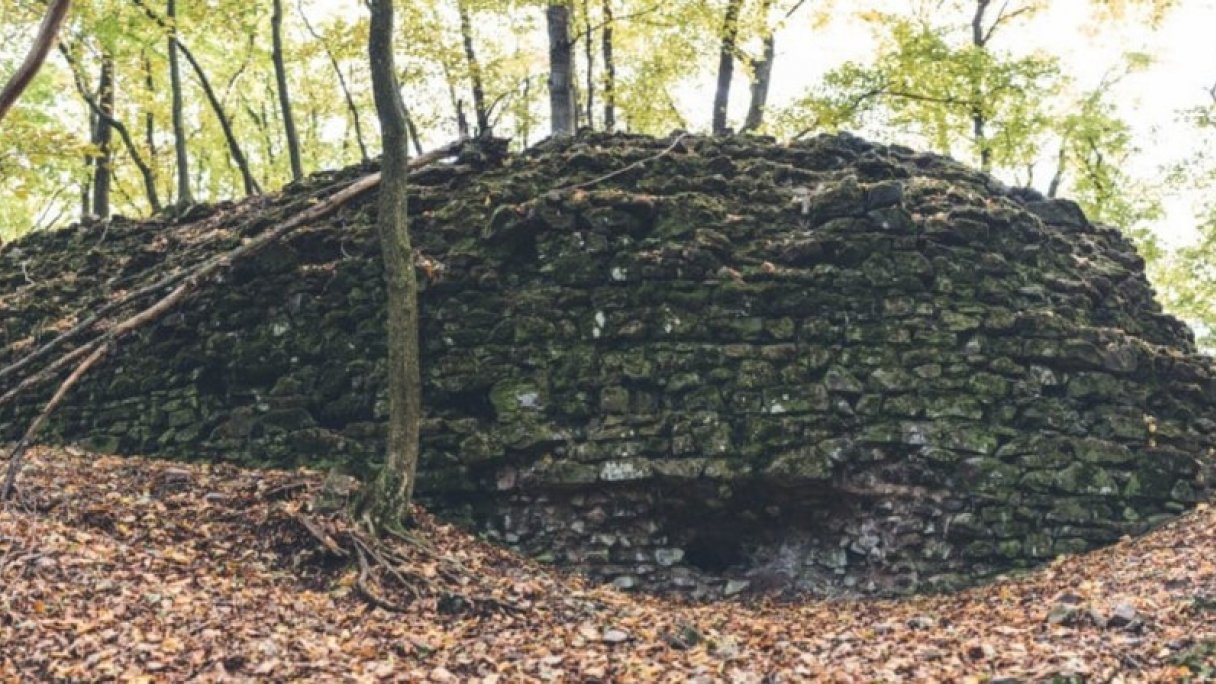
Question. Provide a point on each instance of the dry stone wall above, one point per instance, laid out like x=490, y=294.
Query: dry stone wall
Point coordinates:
x=734, y=367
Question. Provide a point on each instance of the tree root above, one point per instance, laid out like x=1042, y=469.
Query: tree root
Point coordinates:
x=384, y=568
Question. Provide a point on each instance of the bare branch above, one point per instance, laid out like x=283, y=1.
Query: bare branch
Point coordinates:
x=44, y=40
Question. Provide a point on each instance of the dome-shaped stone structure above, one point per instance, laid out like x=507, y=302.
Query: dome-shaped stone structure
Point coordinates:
x=725, y=364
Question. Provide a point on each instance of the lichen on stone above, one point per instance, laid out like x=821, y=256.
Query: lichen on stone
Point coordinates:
x=857, y=367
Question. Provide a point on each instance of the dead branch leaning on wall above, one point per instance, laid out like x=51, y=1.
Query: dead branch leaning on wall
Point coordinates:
x=98, y=347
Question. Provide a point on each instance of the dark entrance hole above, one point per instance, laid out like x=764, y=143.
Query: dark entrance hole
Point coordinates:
x=715, y=553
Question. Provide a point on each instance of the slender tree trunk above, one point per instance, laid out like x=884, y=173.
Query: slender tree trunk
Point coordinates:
x=86, y=185
x=761, y=78
x=234, y=148
x=356, y=120
x=150, y=124
x=184, y=196
x=100, y=114
x=726, y=65
x=589, y=53
x=762, y=72
x=470, y=55
x=462, y=121
x=609, y=69
x=522, y=125
x=413, y=130
x=260, y=121
x=103, y=168
x=561, y=71
x=44, y=40
x=979, y=120
x=280, y=77
x=1057, y=178
x=386, y=504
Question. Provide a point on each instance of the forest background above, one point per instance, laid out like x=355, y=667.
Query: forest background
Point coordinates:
x=1108, y=102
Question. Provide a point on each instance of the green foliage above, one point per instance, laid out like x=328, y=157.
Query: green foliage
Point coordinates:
x=930, y=84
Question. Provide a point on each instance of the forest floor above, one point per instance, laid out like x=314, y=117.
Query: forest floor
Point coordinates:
x=144, y=570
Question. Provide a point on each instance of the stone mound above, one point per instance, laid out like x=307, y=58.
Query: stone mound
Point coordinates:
x=729, y=366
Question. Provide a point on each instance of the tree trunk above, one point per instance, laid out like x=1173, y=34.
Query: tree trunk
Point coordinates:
x=99, y=115
x=150, y=123
x=386, y=503
x=280, y=77
x=234, y=148
x=44, y=40
x=589, y=53
x=761, y=78
x=609, y=69
x=259, y=119
x=462, y=121
x=413, y=130
x=561, y=71
x=1057, y=179
x=86, y=185
x=470, y=55
x=103, y=166
x=184, y=196
x=356, y=120
x=726, y=65
x=979, y=121
x=521, y=124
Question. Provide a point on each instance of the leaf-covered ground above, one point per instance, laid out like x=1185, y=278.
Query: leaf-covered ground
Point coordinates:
x=145, y=570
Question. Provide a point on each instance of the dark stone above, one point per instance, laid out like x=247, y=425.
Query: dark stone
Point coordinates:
x=835, y=362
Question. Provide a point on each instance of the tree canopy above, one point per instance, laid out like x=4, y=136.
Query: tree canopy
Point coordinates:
x=252, y=95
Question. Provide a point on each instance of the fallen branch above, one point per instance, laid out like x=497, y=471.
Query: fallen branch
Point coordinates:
x=81, y=327
x=98, y=347
x=129, y=298
x=18, y=453
x=625, y=169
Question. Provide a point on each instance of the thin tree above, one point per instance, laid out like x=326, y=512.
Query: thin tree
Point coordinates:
x=184, y=196
x=589, y=53
x=86, y=184
x=99, y=114
x=470, y=54
x=413, y=130
x=150, y=125
x=386, y=504
x=104, y=164
x=356, y=120
x=726, y=64
x=234, y=148
x=609, y=68
x=762, y=66
x=44, y=40
x=979, y=119
x=280, y=77
x=561, y=70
